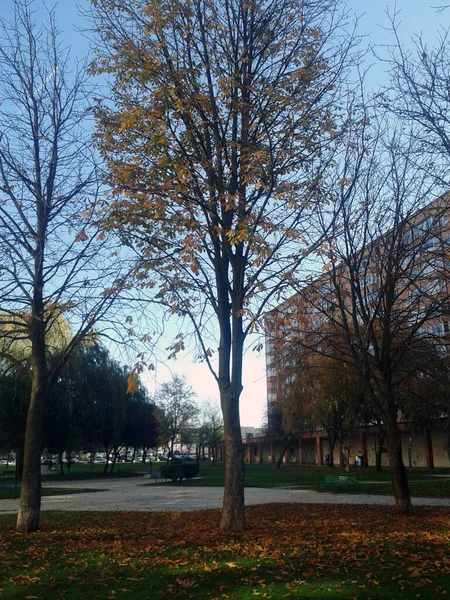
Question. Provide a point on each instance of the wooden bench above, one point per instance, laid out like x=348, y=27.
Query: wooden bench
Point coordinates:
x=340, y=483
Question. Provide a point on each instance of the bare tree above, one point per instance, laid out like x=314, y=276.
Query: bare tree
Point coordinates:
x=383, y=287
x=176, y=399
x=419, y=95
x=55, y=264
x=211, y=427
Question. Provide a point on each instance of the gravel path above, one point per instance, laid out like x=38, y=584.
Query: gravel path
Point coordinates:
x=136, y=495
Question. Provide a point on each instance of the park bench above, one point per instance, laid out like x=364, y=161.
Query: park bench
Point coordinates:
x=155, y=475
x=340, y=483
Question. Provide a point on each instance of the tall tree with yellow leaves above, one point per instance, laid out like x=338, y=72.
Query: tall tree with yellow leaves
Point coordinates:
x=223, y=117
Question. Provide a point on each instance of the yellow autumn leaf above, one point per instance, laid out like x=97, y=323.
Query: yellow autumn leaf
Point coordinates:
x=132, y=387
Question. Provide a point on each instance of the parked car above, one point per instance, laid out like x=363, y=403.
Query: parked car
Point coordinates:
x=188, y=457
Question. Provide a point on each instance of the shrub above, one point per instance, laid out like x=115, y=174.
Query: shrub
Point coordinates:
x=176, y=471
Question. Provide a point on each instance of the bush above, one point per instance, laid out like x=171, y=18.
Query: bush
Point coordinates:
x=176, y=471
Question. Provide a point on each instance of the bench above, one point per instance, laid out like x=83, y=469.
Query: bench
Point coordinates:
x=340, y=483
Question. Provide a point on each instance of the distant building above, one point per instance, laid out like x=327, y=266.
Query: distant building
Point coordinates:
x=250, y=432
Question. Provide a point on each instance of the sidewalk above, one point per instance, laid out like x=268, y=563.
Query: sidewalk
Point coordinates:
x=138, y=494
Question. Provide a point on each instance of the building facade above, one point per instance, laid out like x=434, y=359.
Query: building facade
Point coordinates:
x=394, y=287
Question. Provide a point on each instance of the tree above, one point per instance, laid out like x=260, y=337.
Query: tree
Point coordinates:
x=55, y=261
x=288, y=417
x=210, y=431
x=424, y=396
x=176, y=400
x=141, y=424
x=382, y=286
x=14, y=395
x=315, y=390
x=418, y=96
x=336, y=404
x=105, y=388
x=224, y=117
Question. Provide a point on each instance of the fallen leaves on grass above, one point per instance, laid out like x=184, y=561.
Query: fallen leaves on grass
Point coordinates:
x=339, y=550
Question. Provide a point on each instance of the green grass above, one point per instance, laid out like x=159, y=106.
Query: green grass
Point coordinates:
x=288, y=551
x=423, y=483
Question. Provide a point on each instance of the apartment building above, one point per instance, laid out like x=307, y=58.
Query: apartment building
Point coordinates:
x=395, y=286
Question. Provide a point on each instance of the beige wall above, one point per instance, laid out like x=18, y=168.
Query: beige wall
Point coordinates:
x=418, y=453
x=440, y=449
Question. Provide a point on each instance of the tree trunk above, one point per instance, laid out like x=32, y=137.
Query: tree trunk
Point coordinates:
x=399, y=478
x=346, y=456
x=287, y=443
x=379, y=450
x=332, y=444
x=410, y=440
x=30, y=498
x=233, y=518
x=331, y=460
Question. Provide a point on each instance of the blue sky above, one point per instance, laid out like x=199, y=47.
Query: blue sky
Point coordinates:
x=415, y=17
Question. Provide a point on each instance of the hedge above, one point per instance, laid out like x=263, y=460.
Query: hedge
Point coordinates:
x=176, y=471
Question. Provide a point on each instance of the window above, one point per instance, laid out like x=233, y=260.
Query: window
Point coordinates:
x=431, y=286
x=431, y=243
x=370, y=298
x=370, y=278
x=408, y=237
x=415, y=293
x=427, y=269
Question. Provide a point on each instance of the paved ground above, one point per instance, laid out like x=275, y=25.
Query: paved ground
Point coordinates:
x=136, y=494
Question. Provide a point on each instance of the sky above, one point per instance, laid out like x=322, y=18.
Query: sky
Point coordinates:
x=414, y=16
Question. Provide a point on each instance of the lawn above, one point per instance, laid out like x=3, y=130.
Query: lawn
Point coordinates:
x=288, y=551
x=423, y=483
